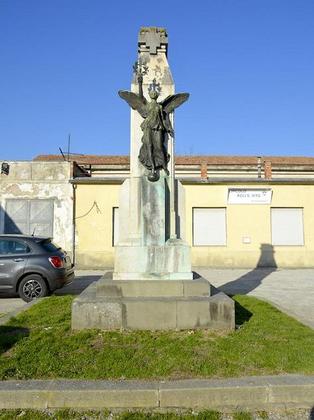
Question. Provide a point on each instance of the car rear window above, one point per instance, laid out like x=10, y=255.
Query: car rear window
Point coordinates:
x=49, y=246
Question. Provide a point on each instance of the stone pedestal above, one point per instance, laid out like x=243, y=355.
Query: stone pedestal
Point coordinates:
x=152, y=305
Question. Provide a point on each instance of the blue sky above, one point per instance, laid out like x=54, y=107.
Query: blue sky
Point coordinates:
x=248, y=65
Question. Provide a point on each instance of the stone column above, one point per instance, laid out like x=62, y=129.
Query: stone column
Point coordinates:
x=152, y=52
x=148, y=209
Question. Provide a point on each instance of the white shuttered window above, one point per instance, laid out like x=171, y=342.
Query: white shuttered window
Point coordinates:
x=287, y=226
x=209, y=226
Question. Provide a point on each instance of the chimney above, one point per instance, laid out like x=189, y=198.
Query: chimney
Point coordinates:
x=267, y=169
x=204, y=171
x=259, y=167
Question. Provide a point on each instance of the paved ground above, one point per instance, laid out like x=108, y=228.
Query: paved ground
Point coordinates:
x=10, y=304
x=292, y=291
x=82, y=280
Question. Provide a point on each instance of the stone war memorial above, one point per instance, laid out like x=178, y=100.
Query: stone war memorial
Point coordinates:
x=152, y=286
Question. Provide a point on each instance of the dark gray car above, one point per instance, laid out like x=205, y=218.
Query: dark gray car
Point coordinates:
x=32, y=266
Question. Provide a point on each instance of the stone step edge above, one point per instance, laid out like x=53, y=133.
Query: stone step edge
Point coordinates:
x=249, y=393
x=121, y=299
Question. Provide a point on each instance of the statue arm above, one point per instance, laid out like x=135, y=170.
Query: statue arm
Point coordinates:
x=168, y=125
x=140, y=87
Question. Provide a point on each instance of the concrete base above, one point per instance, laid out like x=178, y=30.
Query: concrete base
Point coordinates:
x=152, y=305
x=170, y=261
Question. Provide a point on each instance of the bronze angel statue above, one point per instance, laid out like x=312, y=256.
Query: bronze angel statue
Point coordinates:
x=156, y=125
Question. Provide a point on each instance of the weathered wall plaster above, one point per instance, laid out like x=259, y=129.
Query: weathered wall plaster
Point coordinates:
x=42, y=180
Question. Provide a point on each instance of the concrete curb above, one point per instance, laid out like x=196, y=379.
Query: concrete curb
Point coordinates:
x=5, y=318
x=258, y=393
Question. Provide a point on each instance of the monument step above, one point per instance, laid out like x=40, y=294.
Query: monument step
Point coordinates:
x=152, y=313
x=107, y=287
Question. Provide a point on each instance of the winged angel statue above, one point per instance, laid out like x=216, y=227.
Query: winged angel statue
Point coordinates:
x=156, y=126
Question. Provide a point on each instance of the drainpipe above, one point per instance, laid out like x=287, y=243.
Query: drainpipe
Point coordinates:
x=74, y=186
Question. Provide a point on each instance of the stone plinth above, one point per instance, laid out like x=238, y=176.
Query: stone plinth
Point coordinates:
x=167, y=262
x=151, y=254
x=152, y=305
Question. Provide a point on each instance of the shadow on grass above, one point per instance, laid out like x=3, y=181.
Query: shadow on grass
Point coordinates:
x=10, y=335
x=312, y=414
x=242, y=315
x=265, y=266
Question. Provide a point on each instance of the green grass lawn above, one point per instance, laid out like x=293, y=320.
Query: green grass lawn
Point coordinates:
x=106, y=415
x=93, y=415
x=39, y=343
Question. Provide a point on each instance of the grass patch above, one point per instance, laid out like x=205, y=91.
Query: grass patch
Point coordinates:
x=242, y=415
x=39, y=343
x=104, y=415
x=70, y=414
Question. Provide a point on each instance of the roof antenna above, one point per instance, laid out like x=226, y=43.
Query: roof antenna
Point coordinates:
x=69, y=143
x=62, y=153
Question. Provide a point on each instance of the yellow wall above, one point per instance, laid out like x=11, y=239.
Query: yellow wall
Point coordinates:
x=254, y=221
x=94, y=230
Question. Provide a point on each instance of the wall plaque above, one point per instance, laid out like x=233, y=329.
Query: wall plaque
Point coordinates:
x=249, y=195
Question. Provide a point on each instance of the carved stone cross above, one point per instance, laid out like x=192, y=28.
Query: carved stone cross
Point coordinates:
x=153, y=38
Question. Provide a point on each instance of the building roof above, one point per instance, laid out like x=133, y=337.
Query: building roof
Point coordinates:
x=184, y=160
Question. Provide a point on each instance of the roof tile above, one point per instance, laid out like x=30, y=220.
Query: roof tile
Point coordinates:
x=183, y=160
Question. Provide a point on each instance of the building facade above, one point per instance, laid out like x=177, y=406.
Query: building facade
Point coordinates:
x=239, y=211
x=37, y=198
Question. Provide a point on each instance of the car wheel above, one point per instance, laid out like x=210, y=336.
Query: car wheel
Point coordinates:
x=32, y=287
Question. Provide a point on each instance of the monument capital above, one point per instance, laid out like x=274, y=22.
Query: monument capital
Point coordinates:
x=151, y=39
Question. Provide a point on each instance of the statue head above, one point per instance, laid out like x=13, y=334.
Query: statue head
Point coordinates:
x=154, y=90
x=153, y=94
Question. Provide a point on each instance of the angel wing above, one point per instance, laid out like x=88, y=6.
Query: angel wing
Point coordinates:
x=135, y=101
x=173, y=101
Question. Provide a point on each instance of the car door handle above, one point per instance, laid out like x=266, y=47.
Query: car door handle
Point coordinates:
x=18, y=259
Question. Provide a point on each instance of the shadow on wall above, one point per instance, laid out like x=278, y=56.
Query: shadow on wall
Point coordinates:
x=245, y=284
x=267, y=257
x=7, y=224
